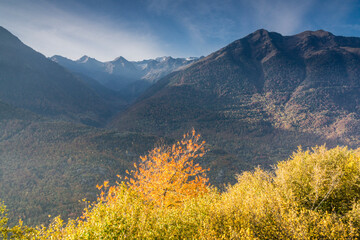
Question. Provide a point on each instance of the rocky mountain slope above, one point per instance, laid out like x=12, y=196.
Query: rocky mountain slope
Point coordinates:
x=260, y=97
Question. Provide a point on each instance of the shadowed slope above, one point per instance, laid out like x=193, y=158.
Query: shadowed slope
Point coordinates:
x=31, y=81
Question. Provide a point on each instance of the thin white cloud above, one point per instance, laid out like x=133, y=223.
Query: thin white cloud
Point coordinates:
x=281, y=16
x=202, y=20
x=51, y=31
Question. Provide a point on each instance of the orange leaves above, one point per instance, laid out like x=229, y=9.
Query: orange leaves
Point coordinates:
x=102, y=193
x=167, y=175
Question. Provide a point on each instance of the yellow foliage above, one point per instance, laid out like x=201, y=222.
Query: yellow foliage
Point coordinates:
x=18, y=231
x=168, y=175
x=313, y=195
x=321, y=179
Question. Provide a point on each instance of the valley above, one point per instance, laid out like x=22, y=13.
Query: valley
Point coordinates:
x=66, y=126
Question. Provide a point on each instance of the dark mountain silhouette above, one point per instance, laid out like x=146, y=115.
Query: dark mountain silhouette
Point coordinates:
x=260, y=97
x=29, y=80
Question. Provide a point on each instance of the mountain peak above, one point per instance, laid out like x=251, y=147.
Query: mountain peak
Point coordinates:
x=262, y=36
x=318, y=33
x=261, y=31
x=57, y=58
x=120, y=59
x=162, y=59
x=85, y=59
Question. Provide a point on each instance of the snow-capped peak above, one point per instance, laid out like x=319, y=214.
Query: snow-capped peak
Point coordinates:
x=83, y=59
x=162, y=59
x=191, y=58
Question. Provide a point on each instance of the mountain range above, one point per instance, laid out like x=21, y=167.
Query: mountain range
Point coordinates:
x=129, y=78
x=66, y=125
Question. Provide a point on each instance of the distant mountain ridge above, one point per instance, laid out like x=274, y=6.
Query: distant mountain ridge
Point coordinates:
x=122, y=75
x=260, y=97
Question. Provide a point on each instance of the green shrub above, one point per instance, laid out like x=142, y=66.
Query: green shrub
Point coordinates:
x=18, y=231
x=321, y=179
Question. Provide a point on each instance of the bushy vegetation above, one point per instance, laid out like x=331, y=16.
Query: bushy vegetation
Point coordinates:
x=18, y=231
x=312, y=195
x=167, y=176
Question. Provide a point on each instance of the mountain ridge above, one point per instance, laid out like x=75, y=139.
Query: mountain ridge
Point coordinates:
x=302, y=89
x=122, y=75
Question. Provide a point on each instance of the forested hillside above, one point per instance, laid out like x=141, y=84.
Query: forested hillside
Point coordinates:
x=260, y=97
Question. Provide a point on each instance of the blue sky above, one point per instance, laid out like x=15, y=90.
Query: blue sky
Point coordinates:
x=142, y=29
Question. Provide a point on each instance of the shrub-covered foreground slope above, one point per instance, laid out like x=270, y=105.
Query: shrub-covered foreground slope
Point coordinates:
x=312, y=195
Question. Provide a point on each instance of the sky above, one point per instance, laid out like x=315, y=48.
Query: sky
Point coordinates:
x=144, y=29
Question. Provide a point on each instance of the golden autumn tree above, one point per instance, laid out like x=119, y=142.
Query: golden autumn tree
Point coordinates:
x=168, y=175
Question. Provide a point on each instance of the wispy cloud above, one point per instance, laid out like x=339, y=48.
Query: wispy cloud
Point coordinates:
x=202, y=21
x=51, y=30
x=285, y=17
x=210, y=24
x=138, y=29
